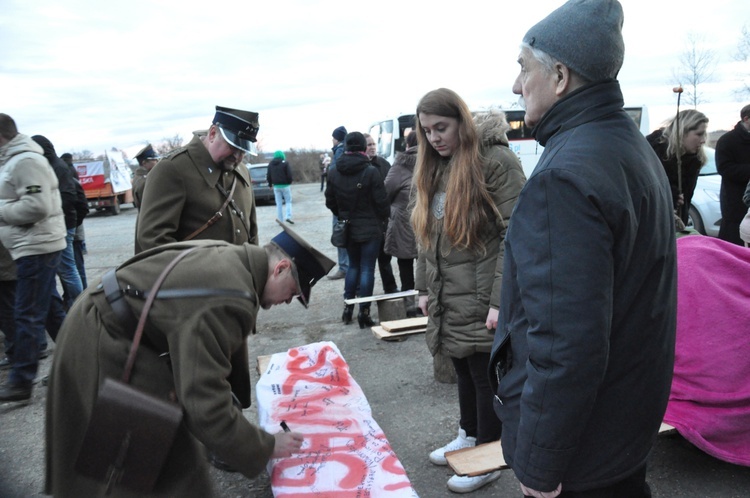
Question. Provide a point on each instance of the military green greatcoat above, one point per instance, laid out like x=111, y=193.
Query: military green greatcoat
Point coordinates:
x=139, y=183
x=181, y=195
x=200, y=334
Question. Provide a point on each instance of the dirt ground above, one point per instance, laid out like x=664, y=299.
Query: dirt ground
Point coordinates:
x=416, y=413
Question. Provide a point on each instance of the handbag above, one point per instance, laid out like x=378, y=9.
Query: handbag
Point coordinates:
x=130, y=432
x=340, y=234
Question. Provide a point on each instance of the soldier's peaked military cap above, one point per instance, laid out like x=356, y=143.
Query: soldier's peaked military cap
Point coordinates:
x=238, y=128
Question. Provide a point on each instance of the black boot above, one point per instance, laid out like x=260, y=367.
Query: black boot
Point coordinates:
x=346, y=316
x=364, y=318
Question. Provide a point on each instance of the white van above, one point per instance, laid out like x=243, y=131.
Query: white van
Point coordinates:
x=390, y=135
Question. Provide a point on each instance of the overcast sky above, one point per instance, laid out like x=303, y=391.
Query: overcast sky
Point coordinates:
x=92, y=75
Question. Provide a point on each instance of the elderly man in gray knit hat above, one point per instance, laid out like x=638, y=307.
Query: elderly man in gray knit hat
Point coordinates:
x=583, y=353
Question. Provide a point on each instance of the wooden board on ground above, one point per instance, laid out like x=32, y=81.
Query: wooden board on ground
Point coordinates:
x=477, y=460
x=384, y=335
x=666, y=429
x=382, y=297
x=405, y=324
x=263, y=362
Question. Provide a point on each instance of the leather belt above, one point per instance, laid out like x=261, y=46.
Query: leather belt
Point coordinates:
x=116, y=299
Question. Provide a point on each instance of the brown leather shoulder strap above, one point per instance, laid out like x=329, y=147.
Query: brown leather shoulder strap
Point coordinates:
x=146, y=308
x=216, y=215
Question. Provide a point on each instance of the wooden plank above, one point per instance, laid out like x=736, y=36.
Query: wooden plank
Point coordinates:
x=405, y=324
x=666, y=429
x=489, y=456
x=382, y=297
x=263, y=362
x=477, y=460
x=391, y=336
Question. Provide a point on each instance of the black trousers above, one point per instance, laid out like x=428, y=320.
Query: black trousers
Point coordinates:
x=386, y=270
x=406, y=273
x=475, y=398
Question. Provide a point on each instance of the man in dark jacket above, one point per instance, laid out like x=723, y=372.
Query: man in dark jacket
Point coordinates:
x=584, y=349
x=337, y=139
x=73, y=210
x=279, y=176
x=79, y=241
x=733, y=164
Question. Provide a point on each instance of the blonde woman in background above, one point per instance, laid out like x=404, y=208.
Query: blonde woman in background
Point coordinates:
x=690, y=127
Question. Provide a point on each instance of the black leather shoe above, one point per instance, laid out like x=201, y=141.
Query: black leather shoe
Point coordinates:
x=15, y=393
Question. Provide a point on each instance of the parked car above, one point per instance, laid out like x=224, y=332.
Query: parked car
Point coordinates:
x=705, y=210
x=261, y=190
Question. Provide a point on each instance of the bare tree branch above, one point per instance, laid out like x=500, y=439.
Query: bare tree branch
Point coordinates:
x=697, y=66
x=168, y=145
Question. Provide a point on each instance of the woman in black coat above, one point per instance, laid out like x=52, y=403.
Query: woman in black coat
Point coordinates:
x=355, y=192
x=691, y=130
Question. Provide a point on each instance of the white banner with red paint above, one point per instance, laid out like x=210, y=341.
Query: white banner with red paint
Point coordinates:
x=345, y=453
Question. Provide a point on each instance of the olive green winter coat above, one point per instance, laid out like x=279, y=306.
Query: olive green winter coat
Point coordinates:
x=200, y=334
x=181, y=195
x=462, y=285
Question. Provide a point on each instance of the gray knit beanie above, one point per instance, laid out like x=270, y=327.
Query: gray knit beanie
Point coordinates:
x=585, y=35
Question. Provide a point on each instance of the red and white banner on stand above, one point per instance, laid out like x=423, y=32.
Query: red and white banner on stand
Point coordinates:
x=345, y=453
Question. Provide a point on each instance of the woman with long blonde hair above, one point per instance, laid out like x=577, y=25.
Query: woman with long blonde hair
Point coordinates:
x=679, y=145
x=466, y=182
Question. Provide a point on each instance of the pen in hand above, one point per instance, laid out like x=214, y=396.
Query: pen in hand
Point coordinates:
x=285, y=427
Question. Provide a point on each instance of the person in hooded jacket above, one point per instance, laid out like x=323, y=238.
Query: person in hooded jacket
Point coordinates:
x=79, y=241
x=355, y=192
x=467, y=182
x=73, y=210
x=690, y=126
x=279, y=176
x=32, y=228
x=337, y=139
x=399, y=236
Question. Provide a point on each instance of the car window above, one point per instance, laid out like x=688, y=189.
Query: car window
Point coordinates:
x=710, y=167
x=258, y=172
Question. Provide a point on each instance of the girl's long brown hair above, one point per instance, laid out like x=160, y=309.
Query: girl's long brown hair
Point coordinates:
x=467, y=203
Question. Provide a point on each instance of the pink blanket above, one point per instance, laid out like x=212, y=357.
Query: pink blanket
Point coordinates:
x=710, y=399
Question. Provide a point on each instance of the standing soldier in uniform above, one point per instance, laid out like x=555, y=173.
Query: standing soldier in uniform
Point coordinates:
x=203, y=190
x=147, y=159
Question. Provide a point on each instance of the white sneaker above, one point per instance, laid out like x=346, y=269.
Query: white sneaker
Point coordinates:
x=462, y=441
x=467, y=484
